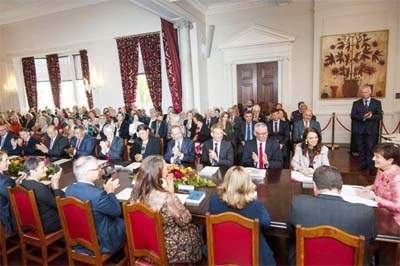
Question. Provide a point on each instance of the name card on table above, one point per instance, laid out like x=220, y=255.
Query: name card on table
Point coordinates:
x=255, y=173
x=182, y=197
x=208, y=170
x=185, y=188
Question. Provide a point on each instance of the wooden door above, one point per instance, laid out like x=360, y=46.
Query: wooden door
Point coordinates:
x=258, y=81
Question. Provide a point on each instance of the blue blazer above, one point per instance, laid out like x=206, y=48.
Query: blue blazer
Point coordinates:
x=116, y=149
x=6, y=217
x=110, y=228
x=225, y=153
x=187, y=148
x=298, y=129
x=86, y=146
x=253, y=210
x=272, y=150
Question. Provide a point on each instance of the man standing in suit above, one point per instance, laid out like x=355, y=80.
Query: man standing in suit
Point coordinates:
x=106, y=208
x=261, y=152
x=5, y=141
x=216, y=151
x=209, y=120
x=55, y=144
x=111, y=148
x=243, y=132
x=365, y=116
x=328, y=208
x=81, y=144
x=279, y=132
x=179, y=150
x=300, y=125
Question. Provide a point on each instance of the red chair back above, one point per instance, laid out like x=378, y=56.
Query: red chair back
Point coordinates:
x=78, y=223
x=242, y=235
x=144, y=233
x=321, y=245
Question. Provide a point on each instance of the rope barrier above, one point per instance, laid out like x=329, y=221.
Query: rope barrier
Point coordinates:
x=329, y=122
x=387, y=132
x=340, y=123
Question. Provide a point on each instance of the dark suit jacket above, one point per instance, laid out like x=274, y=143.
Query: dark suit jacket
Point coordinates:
x=30, y=147
x=110, y=228
x=86, y=146
x=6, y=216
x=240, y=132
x=187, y=148
x=46, y=201
x=7, y=144
x=296, y=116
x=204, y=134
x=271, y=149
x=298, y=129
x=309, y=211
x=225, y=153
x=162, y=131
x=369, y=126
x=191, y=130
x=212, y=121
x=254, y=210
x=282, y=136
x=60, y=143
x=116, y=149
x=124, y=130
x=152, y=148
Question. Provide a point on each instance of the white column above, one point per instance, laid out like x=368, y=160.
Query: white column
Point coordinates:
x=185, y=55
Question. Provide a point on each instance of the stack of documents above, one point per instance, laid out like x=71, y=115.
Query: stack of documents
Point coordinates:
x=256, y=173
x=208, y=170
x=131, y=167
x=349, y=193
x=125, y=194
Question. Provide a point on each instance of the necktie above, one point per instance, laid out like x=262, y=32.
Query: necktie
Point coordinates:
x=108, y=152
x=276, y=127
x=248, y=131
x=215, y=162
x=51, y=143
x=157, y=128
x=366, y=103
x=78, y=143
x=2, y=142
x=260, y=157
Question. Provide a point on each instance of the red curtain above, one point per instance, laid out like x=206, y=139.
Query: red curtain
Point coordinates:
x=53, y=67
x=129, y=64
x=29, y=70
x=86, y=75
x=151, y=54
x=171, y=50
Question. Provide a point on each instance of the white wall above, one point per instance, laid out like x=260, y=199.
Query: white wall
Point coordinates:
x=93, y=28
x=294, y=19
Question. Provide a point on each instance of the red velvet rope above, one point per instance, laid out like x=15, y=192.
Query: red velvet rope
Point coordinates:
x=340, y=123
x=329, y=122
x=386, y=131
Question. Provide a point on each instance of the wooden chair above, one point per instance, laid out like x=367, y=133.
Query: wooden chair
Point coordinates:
x=4, y=239
x=145, y=235
x=127, y=149
x=30, y=229
x=327, y=245
x=162, y=146
x=79, y=229
x=232, y=239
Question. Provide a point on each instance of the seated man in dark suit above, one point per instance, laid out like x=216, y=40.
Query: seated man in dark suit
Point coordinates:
x=216, y=151
x=111, y=148
x=6, y=217
x=81, y=144
x=328, y=208
x=300, y=125
x=26, y=144
x=145, y=145
x=6, y=140
x=110, y=228
x=55, y=144
x=279, y=131
x=179, y=149
x=160, y=127
x=262, y=152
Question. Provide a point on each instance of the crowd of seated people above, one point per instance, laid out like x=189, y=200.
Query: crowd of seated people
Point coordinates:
x=246, y=137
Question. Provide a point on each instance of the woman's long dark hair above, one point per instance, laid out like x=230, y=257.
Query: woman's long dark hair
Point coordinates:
x=304, y=144
x=149, y=178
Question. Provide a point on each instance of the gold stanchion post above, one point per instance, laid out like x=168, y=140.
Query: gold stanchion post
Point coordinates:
x=333, y=146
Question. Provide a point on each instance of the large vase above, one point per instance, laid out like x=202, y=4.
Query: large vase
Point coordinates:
x=334, y=91
x=350, y=88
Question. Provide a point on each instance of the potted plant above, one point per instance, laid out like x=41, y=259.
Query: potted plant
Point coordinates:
x=352, y=56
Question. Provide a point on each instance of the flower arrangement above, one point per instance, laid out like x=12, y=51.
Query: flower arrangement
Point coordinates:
x=188, y=176
x=17, y=165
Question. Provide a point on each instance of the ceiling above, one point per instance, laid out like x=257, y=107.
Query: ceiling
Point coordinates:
x=219, y=6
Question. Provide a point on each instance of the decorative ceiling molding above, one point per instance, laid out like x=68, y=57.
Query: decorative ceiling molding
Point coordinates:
x=256, y=35
x=24, y=10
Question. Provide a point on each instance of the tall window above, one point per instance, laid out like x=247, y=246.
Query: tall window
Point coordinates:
x=143, y=99
x=72, y=88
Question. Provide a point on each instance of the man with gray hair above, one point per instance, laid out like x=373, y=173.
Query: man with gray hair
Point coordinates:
x=328, y=208
x=261, y=152
x=112, y=147
x=110, y=228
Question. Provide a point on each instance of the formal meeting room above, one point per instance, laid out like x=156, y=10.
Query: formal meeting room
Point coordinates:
x=200, y=132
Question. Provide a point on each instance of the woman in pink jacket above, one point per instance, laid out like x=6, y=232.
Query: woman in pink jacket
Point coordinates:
x=386, y=188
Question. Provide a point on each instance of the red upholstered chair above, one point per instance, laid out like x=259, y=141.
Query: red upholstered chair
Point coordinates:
x=327, y=245
x=4, y=239
x=232, y=239
x=79, y=229
x=30, y=229
x=145, y=235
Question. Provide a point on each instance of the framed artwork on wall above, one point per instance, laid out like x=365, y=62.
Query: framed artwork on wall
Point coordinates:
x=351, y=60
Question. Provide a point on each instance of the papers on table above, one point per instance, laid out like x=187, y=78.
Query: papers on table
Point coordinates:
x=208, y=170
x=131, y=167
x=256, y=173
x=101, y=162
x=182, y=197
x=61, y=161
x=299, y=177
x=125, y=194
x=349, y=193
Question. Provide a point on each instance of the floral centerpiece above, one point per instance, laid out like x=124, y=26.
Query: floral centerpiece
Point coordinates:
x=17, y=165
x=188, y=176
